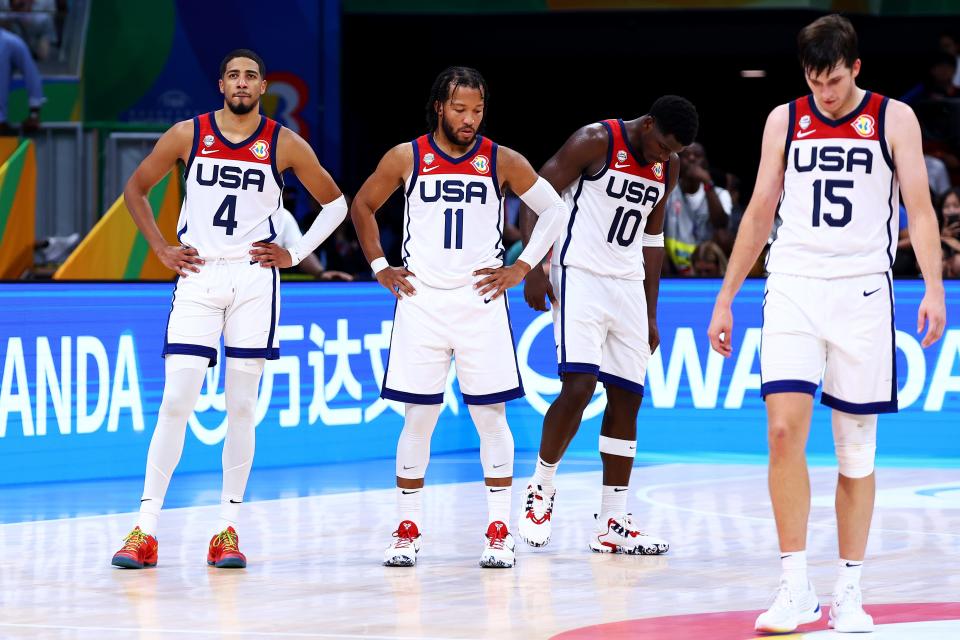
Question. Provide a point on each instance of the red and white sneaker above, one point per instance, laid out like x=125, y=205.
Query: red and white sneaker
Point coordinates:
x=224, y=551
x=620, y=535
x=139, y=550
x=499, y=552
x=535, y=525
x=403, y=551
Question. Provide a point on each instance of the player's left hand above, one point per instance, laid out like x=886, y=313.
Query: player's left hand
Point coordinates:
x=654, y=335
x=933, y=314
x=500, y=279
x=270, y=254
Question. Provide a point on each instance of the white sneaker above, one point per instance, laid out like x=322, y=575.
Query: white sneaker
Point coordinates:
x=403, y=551
x=620, y=535
x=846, y=612
x=535, y=525
x=789, y=610
x=499, y=552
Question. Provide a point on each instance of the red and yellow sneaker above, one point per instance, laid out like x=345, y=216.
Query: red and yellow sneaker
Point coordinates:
x=139, y=551
x=224, y=552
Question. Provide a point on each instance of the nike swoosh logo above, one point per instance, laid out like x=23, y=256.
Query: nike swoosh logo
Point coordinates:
x=865, y=294
x=497, y=466
x=804, y=134
x=405, y=467
x=621, y=166
x=142, y=500
x=236, y=501
x=486, y=301
x=497, y=490
x=631, y=448
x=850, y=564
x=786, y=556
x=429, y=169
x=207, y=152
x=618, y=490
x=407, y=493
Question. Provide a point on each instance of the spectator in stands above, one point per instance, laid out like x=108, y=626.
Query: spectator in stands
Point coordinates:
x=948, y=44
x=14, y=54
x=949, y=214
x=696, y=212
x=34, y=21
x=512, y=243
x=709, y=260
x=905, y=264
x=288, y=234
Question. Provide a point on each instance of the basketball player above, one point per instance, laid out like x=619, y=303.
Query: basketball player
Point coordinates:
x=615, y=176
x=450, y=293
x=228, y=280
x=831, y=166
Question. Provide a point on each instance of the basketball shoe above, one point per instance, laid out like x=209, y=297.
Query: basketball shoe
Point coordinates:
x=846, y=611
x=224, y=551
x=403, y=551
x=139, y=550
x=620, y=535
x=535, y=525
x=789, y=610
x=499, y=552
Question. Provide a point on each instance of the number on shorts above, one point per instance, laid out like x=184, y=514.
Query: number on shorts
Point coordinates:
x=226, y=214
x=448, y=230
x=618, y=230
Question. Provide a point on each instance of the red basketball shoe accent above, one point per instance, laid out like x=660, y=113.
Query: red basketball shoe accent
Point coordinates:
x=224, y=551
x=139, y=551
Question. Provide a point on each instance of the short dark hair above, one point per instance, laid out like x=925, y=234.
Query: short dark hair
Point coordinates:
x=676, y=116
x=444, y=86
x=826, y=42
x=243, y=53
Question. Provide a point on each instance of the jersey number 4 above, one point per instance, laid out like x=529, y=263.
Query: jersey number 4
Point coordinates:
x=226, y=215
x=828, y=188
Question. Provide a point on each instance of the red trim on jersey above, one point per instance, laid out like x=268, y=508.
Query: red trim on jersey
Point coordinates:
x=257, y=149
x=478, y=162
x=863, y=123
x=622, y=158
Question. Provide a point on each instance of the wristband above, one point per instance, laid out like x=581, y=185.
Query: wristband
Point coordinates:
x=708, y=186
x=379, y=265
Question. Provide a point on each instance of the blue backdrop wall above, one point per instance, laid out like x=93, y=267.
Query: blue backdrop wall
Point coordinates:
x=82, y=380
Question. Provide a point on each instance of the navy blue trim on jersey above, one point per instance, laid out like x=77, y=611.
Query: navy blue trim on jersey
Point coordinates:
x=573, y=216
x=788, y=386
x=406, y=231
x=493, y=170
x=273, y=230
x=578, y=367
x=839, y=121
x=393, y=324
x=185, y=223
x=623, y=383
x=274, y=141
x=193, y=149
x=513, y=344
x=857, y=408
x=493, y=398
x=467, y=156
x=412, y=398
x=893, y=344
x=178, y=348
x=236, y=145
x=416, y=167
x=891, y=245
x=173, y=300
x=763, y=320
x=791, y=126
x=881, y=127
x=626, y=142
x=270, y=349
x=563, y=305
x=271, y=353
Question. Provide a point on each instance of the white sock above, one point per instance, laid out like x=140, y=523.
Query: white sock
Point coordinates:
x=410, y=505
x=498, y=504
x=848, y=573
x=794, y=565
x=613, y=502
x=149, y=515
x=544, y=473
x=229, y=514
x=242, y=384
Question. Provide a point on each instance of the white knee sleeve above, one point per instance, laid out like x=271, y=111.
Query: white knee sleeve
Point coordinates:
x=618, y=447
x=496, y=440
x=413, y=447
x=855, y=441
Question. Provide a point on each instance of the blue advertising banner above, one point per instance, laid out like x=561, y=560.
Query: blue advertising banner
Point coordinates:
x=82, y=380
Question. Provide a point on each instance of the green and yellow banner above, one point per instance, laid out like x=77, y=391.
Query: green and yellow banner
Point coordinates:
x=18, y=200
x=116, y=250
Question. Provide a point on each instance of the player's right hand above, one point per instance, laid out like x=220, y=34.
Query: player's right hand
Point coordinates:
x=180, y=259
x=394, y=279
x=721, y=326
x=536, y=287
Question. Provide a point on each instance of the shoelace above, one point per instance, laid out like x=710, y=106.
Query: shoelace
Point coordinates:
x=847, y=597
x=228, y=540
x=403, y=540
x=133, y=540
x=781, y=598
x=531, y=514
x=496, y=542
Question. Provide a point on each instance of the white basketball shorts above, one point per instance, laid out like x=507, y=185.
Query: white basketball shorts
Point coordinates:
x=435, y=324
x=839, y=331
x=234, y=298
x=600, y=327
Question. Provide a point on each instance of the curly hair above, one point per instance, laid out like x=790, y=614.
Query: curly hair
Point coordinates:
x=676, y=116
x=444, y=86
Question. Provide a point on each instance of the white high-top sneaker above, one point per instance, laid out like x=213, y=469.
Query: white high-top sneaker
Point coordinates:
x=535, y=524
x=498, y=553
x=846, y=611
x=403, y=551
x=620, y=535
x=789, y=610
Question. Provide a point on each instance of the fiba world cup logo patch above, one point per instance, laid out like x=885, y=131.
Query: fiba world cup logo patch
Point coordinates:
x=260, y=149
x=621, y=156
x=428, y=158
x=658, y=170
x=481, y=164
x=208, y=141
x=804, y=121
x=864, y=125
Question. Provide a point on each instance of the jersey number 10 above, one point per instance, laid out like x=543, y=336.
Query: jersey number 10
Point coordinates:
x=618, y=229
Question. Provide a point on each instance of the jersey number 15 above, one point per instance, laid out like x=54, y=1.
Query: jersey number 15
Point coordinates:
x=828, y=188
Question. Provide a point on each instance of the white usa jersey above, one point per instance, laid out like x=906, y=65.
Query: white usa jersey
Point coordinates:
x=609, y=211
x=232, y=190
x=840, y=199
x=453, y=223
